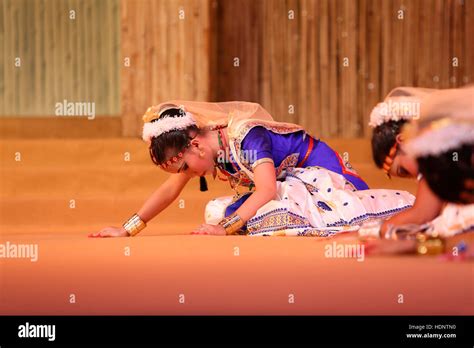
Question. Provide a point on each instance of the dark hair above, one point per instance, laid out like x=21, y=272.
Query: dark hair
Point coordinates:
x=169, y=144
x=383, y=138
x=446, y=176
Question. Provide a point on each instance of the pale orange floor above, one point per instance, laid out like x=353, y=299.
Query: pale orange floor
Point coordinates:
x=165, y=262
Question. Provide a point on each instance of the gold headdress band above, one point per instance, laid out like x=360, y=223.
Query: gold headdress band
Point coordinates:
x=387, y=164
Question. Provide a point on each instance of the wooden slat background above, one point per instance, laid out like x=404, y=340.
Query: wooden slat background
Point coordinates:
x=77, y=60
x=168, y=43
x=285, y=64
x=300, y=61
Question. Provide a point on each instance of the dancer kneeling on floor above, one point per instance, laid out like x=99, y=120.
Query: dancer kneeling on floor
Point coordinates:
x=442, y=143
x=396, y=158
x=294, y=184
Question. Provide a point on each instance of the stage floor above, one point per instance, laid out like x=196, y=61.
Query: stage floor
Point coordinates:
x=61, y=190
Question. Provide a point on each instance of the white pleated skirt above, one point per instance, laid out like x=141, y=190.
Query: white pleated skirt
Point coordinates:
x=314, y=201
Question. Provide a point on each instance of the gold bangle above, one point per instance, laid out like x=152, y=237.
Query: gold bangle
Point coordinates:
x=232, y=223
x=134, y=225
x=429, y=245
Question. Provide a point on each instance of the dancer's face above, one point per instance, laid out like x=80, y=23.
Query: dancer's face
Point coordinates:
x=404, y=166
x=197, y=160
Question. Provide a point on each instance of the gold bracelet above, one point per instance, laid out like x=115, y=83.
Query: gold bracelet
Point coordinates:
x=232, y=223
x=134, y=225
x=429, y=245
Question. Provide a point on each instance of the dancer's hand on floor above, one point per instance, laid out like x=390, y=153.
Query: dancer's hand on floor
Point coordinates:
x=390, y=247
x=110, y=232
x=216, y=230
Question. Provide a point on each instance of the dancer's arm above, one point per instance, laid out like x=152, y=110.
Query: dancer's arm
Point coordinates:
x=163, y=196
x=265, y=191
x=427, y=206
x=156, y=203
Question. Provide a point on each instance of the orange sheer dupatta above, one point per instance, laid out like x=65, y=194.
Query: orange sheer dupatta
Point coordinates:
x=456, y=104
x=210, y=114
x=410, y=92
x=411, y=95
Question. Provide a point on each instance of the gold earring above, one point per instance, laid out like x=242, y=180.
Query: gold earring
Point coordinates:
x=201, y=154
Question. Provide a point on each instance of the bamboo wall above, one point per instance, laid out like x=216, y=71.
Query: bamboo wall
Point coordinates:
x=128, y=54
x=300, y=62
x=61, y=58
x=168, y=43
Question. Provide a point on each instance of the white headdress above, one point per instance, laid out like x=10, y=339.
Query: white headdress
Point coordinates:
x=155, y=125
x=443, y=135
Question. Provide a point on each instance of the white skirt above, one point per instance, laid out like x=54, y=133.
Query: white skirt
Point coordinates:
x=314, y=201
x=454, y=219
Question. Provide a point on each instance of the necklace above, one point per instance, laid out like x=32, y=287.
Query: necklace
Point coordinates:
x=234, y=179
